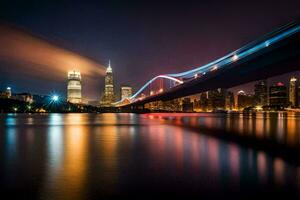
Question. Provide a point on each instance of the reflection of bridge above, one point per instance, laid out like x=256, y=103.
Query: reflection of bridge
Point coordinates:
x=275, y=53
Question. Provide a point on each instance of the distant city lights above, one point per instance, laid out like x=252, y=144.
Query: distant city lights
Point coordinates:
x=55, y=98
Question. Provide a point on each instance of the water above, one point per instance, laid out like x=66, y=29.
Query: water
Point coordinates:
x=84, y=156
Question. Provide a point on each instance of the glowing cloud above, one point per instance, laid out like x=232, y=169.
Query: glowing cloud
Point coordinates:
x=36, y=57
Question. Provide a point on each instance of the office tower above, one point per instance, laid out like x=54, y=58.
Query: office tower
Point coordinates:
x=278, y=95
x=74, y=87
x=261, y=93
x=108, y=96
x=293, y=92
x=126, y=92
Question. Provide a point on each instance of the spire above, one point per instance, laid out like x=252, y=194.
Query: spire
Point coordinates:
x=109, y=69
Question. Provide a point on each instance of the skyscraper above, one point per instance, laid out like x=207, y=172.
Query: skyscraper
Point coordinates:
x=74, y=87
x=261, y=93
x=126, y=92
x=278, y=95
x=108, y=96
x=293, y=92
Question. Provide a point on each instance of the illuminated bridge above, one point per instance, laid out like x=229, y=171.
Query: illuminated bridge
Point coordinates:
x=273, y=54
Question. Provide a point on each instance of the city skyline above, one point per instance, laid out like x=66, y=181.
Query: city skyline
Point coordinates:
x=192, y=50
x=132, y=99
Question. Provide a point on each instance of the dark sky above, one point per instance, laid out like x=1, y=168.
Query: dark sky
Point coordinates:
x=142, y=38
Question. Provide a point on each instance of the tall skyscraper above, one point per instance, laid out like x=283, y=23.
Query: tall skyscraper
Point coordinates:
x=108, y=96
x=74, y=87
x=278, y=95
x=261, y=93
x=126, y=92
x=293, y=92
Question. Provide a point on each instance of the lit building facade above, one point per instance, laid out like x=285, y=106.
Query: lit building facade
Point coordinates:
x=8, y=92
x=278, y=95
x=74, y=87
x=126, y=92
x=293, y=92
x=261, y=93
x=108, y=96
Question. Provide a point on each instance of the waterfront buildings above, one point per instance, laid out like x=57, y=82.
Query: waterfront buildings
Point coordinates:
x=126, y=92
x=203, y=101
x=293, y=92
x=108, y=95
x=216, y=99
x=229, y=101
x=74, y=87
x=278, y=95
x=261, y=93
x=187, y=105
x=8, y=92
x=244, y=100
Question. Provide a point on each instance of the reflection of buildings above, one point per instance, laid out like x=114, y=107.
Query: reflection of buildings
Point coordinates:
x=244, y=100
x=108, y=95
x=74, y=87
x=261, y=93
x=126, y=92
x=293, y=92
x=278, y=95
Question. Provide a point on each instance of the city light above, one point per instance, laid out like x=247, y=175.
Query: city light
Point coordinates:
x=55, y=98
x=267, y=43
x=215, y=67
x=235, y=57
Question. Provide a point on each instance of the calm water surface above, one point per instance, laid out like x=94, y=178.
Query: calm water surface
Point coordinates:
x=83, y=156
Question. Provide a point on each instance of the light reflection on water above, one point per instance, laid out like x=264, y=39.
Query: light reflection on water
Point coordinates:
x=281, y=127
x=72, y=156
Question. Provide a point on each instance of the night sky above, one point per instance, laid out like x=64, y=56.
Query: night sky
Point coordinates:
x=141, y=39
